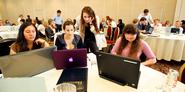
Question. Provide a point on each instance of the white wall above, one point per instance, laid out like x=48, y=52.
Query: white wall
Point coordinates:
x=125, y=9
x=180, y=10
x=1, y=7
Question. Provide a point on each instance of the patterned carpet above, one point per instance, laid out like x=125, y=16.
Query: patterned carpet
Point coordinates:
x=163, y=66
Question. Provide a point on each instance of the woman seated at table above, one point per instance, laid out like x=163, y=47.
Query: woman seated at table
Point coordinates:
x=28, y=39
x=68, y=40
x=143, y=25
x=178, y=26
x=130, y=45
x=50, y=30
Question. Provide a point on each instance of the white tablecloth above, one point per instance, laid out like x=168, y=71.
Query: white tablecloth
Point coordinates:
x=167, y=47
x=150, y=81
x=8, y=34
x=8, y=31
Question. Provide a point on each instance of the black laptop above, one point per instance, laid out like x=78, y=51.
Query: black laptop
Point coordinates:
x=118, y=69
x=175, y=30
x=76, y=76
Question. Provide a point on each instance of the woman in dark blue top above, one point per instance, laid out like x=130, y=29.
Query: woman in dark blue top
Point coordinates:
x=68, y=40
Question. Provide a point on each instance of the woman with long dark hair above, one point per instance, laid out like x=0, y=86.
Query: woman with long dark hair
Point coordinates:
x=130, y=45
x=28, y=39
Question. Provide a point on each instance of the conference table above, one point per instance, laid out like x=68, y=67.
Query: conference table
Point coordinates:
x=167, y=46
x=150, y=81
x=8, y=32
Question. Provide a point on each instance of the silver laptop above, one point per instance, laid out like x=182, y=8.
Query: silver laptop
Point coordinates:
x=32, y=84
x=29, y=63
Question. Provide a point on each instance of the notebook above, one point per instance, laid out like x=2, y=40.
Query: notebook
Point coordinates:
x=76, y=76
x=29, y=63
x=118, y=69
x=31, y=84
x=70, y=58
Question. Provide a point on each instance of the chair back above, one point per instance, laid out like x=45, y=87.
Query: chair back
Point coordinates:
x=109, y=32
x=4, y=46
x=116, y=34
x=182, y=73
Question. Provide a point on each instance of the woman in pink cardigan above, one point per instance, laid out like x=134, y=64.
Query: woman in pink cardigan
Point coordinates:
x=130, y=45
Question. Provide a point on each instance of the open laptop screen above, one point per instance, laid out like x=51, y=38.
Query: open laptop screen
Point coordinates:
x=118, y=69
x=28, y=63
x=70, y=58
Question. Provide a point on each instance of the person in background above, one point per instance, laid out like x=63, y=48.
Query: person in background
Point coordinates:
x=157, y=25
x=41, y=29
x=147, y=15
x=121, y=26
x=130, y=45
x=28, y=39
x=20, y=18
x=68, y=40
x=112, y=24
x=7, y=23
x=1, y=22
x=103, y=24
x=21, y=22
x=28, y=19
x=166, y=23
x=178, y=25
x=58, y=21
x=50, y=29
x=88, y=29
x=135, y=22
x=183, y=25
x=143, y=25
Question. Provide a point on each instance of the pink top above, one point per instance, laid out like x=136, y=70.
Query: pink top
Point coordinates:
x=144, y=48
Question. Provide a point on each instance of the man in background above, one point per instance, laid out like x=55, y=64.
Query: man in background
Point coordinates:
x=147, y=15
x=58, y=21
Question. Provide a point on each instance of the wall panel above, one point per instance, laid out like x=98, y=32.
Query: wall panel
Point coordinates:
x=125, y=9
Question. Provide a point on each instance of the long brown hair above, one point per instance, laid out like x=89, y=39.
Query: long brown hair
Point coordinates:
x=91, y=13
x=130, y=29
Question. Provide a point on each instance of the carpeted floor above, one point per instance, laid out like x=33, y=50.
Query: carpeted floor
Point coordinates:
x=163, y=66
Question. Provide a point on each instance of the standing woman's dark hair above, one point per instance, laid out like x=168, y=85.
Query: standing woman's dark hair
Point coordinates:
x=130, y=29
x=91, y=13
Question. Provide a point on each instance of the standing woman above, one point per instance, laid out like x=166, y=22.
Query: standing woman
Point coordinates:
x=28, y=39
x=130, y=45
x=88, y=29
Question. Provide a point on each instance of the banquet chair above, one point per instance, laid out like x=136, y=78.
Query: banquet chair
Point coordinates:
x=182, y=73
x=110, y=43
x=109, y=33
x=5, y=46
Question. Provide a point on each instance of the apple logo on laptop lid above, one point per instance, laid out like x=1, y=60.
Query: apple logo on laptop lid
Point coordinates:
x=71, y=59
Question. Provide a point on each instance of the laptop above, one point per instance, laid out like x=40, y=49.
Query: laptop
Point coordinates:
x=70, y=58
x=28, y=84
x=121, y=70
x=175, y=30
x=29, y=63
x=76, y=76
